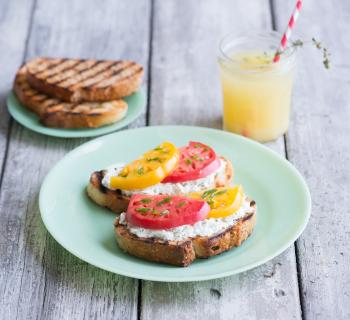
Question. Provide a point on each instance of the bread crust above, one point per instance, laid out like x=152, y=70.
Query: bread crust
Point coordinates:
x=183, y=253
x=105, y=89
x=115, y=201
x=55, y=113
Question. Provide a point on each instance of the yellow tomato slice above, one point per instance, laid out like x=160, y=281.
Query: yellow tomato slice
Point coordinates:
x=223, y=201
x=148, y=170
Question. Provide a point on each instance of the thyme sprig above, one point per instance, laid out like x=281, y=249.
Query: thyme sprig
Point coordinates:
x=318, y=45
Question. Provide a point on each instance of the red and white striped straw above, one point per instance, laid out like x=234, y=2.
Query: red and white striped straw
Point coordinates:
x=288, y=32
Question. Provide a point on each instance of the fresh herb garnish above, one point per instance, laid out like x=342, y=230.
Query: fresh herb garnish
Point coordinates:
x=140, y=171
x=142, y=210
x=208, y=193
x=325, y=52
x=297, y=43
x=210, y=201
x=158, y=149
x=181, y=204
x=188, y=161
x=318, y=45
x=146, y=200
x=197, y=157
x=165, y=200
x=219, y=193
x=155, y=211
x=154, y=159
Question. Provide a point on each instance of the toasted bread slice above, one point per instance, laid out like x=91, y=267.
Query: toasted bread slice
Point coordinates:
x=55, y=113
x=76, y=80
x=183, y=253
x=117, y=202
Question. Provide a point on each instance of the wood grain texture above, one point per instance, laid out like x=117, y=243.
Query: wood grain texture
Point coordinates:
x=318, y=145
x=38, y=278
x=15, y=18
x=185, y=90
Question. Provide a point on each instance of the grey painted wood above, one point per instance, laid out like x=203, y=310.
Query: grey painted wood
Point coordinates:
x=38, y=278
x=318, y=145
x=11, y=55
x=14, y=22
x=185, y=90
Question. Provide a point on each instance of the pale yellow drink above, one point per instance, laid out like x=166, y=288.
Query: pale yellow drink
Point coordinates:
x=256, y=94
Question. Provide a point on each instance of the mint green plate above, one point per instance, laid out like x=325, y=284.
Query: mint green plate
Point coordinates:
x=136, y=104
x=86, y=230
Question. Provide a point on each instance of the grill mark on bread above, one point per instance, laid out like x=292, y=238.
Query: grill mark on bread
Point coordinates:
x=75, y=80
x=100, y=73
x=248, y=216
x=57, y=113
x=87, y=74
x=100, y=175
x=113, y=74
x=139, y=70
x=74, y=108
x=50, y=103
x=65, y=69
x=29, y=92
x=57, y=69
x=76, y=71
x=49, y=65
x=39, y=98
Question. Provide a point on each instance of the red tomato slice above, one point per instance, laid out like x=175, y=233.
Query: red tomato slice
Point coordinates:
x=164, y=212
x=197, y=160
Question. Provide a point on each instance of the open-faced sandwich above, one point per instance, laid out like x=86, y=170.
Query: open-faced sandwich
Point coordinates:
x=164, y=170
x=177, y=229
x=176, y=204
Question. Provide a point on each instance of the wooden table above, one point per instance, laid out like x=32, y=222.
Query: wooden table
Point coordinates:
x=176, y=41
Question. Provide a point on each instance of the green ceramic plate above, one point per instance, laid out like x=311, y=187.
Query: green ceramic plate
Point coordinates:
x=136, y=104
x=86, y=230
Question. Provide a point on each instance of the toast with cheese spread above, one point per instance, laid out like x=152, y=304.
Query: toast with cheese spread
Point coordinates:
x=184, y=252
x=117, y=200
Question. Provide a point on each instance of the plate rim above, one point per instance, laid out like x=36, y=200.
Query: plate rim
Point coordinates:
x=88, y=132
x=192, y=278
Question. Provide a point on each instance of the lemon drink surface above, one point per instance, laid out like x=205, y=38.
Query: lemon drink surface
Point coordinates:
x=256, y=91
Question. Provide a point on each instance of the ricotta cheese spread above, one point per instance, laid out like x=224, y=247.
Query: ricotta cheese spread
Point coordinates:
x=168, y=188
x=205, y=228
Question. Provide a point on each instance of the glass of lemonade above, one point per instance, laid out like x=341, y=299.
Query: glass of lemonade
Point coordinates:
x=256, y=91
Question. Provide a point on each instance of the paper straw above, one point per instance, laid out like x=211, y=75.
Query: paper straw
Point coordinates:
x=288, y=31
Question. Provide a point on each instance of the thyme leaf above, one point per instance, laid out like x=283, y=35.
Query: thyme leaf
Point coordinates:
x=165, y=200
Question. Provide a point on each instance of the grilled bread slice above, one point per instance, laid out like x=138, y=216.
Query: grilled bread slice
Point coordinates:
x=182, y=253
x=117, y=202
x=55, y=113
x=76, y=80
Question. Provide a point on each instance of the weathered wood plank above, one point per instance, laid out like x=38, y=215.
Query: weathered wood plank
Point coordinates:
x=318, y=144
x=186, y=90
x=14, y=22
x=39, y=279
